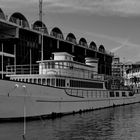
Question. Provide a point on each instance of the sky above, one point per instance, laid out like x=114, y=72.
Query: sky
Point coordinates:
x=112, y=23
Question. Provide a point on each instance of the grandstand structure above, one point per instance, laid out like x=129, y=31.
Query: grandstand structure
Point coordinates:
x=21, y=43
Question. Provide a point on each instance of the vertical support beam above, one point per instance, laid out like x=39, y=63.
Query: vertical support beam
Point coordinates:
x=95, y=54
x=30, y=61
x=15, y=58
x=57, y=44
x=2, y=61
x=72, y=48
x=42, y=57
x=85, y=52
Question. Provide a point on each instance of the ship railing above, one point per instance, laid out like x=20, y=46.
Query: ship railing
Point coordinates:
x=22, y=69
x=83, y=93
x=69, y=69
x=56, y=71
x=77, y=73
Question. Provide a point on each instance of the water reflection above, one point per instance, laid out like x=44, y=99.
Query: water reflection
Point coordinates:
x=120, y=123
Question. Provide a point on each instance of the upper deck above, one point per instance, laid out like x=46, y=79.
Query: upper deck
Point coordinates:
x=61, y=66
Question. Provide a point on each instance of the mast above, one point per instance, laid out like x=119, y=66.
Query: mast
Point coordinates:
x=40, y=10
x=40, y=18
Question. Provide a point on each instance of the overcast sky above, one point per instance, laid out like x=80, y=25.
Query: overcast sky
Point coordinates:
x=113, y=23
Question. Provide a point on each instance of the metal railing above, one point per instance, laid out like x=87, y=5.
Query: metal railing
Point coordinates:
x=22, y=69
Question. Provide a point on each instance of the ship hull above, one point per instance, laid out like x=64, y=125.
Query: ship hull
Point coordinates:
x=40, y=100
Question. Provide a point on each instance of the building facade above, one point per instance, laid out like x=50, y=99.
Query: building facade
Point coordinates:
x=119, y=72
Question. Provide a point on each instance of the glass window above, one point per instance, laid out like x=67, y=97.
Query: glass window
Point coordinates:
x=57, y=82
x=35, y=80
x=39, y=81
x=111, y=94
x=30, y=80
x=48, y=81
x=123, y=94
x=53, y=82
x=117, y=94
x=43, y=81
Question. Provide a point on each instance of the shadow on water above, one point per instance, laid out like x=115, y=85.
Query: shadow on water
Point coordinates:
x=119, y=123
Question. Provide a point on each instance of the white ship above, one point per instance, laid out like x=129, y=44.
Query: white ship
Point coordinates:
x=58, y=86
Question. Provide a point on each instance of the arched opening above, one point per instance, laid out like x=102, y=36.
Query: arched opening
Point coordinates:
x=93, y=46
x=40, y=26
x=19, y=19
x=71, y=38
x=83, y=42
x=101, y=49
x=2, y=15
x=57, y=33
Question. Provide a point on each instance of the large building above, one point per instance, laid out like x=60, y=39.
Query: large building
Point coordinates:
x=119, y=70
x=21, y=44
x=133, y=75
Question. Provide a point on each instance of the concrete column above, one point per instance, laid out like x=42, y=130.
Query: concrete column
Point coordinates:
x=42, y=53
x=85, y=52
x=57, y=44
x=72, y=48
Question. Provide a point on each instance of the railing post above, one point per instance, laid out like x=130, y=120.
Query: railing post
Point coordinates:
x=30, y=61
x=2, y=61
x=15, y=58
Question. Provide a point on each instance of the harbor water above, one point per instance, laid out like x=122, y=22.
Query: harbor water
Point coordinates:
x=118, y=123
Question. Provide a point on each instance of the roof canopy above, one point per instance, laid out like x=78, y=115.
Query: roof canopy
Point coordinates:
x=2, y=15
x=19, y=19
x=101, y=49
x=57, y=33
x=40, y=26
x=71, y=37
x=83, y=42
x=93, y=46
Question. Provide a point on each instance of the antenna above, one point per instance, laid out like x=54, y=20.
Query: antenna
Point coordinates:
x=40, y=10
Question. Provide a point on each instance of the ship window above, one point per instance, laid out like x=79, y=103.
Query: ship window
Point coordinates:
x=35, y=80
x=53, y=82
x=43, y=81
x=131, y=93
x=30, y=80
x=60, y=82
x=117, y=94
x=39, y=81
x=48, y=81
x=49, y=65
x=111, y=94
x=85, y=84
x=123, y=94
x=53, y=65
